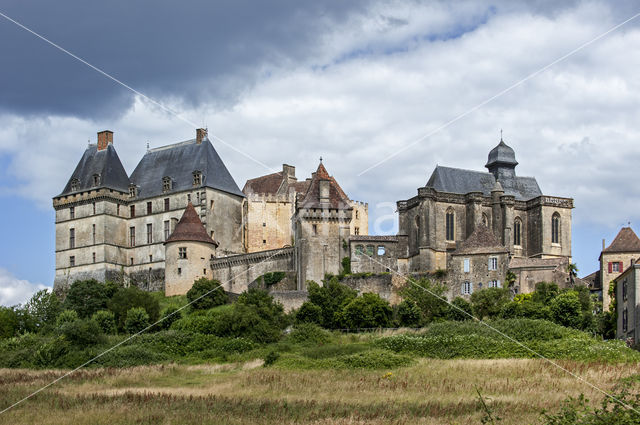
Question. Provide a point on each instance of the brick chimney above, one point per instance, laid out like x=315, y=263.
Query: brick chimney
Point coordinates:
x=201, y=134
x=105, y=138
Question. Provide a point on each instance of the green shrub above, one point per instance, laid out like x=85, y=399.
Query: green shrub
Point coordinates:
x=43, y=307
x=566, y=309
x=246, y=321
x=137, y=320
x=309, y=333
x=271, y=358
x=309, y=313
x=375, y=359
x=66, y=316
x=408, y=314
x=331, y=298
x=273, y=278
x=106, y=321
x=82, y=332
x=489, y=302
x=428, y=297
x=265, y=306
x=127, y=298
x=170, y=315
x=346, y=265
x=206, y=293
x=47, y=354
x=9, y=322
x=86, y=297
x=460, y=310
x=367, y=311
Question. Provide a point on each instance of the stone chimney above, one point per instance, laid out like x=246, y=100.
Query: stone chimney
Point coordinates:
x=105, y=138
x=324, y=191
x=201, y=134
x=289, y=171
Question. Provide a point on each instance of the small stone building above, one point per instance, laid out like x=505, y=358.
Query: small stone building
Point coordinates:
x=478, y=262
x=628, y=302
x=188, y=252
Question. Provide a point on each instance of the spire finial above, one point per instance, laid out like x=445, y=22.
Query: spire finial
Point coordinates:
x=501, y=135
x=320, y=160
x=147, y=145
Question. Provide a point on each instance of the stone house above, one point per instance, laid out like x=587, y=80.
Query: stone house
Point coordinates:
x=628, y=302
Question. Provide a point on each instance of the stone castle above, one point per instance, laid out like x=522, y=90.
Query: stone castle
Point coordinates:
x=180, y=216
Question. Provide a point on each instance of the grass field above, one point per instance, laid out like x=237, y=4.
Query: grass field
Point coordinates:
x=429, y=391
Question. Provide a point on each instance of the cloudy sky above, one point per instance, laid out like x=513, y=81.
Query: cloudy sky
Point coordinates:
x=354, y=82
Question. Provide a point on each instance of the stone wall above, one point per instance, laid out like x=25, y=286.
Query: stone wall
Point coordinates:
x=269, y=222
x=386, y=285
x=605, y=259
x=376, y=254
x=180, y=273
x=290, y=300
x=236, y=272
x=478, y=275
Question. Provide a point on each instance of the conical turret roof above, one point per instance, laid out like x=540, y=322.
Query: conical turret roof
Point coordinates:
x=502, y=154
x=190, y=228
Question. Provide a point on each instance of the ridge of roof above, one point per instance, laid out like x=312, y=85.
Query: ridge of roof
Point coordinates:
x=190, y=228
x=625, y=241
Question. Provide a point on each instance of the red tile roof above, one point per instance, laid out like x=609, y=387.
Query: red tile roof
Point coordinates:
x=190, y=228
x=337, y=198
x=268, y=184
x=625, y=241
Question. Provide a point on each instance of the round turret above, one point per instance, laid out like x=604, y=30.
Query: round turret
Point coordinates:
x=502, y=161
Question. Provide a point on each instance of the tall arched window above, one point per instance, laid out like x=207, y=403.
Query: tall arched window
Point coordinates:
x=450, y=225
x=485, y=220
x=555, y=228
x=517, y=232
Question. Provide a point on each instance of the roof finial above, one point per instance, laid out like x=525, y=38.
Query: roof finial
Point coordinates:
x=501, y=135
x=320, y=160
x=147, y=146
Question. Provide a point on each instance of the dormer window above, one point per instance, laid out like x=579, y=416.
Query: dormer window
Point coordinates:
x=96, y=180
x=166, y=184
x=75, y=185
x=197, y=178
x=133, y=191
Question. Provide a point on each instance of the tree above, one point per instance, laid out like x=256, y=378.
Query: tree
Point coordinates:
x=44, y=307
x=264, y=305
x=81, y=332
x=126, y=298
x=243, y=320
x=572, y=269
x=169, y=316
x=429, y=297
x=309, y=313
x=510, y=279
x=9, y=322
x=457, y=310
x=105, y=320
x=346, y=265
x=66, y=316
x=566, y=309
x=137, y=320
x=331, y=298
x=545, y=292
x=489, y=302
x=206, y=293
x=86, y=297
x=408, y=313
x=367, y=311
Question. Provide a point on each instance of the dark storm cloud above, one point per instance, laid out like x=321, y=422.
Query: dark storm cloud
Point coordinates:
x=194, y=51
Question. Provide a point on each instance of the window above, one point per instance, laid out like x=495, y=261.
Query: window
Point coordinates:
x=149, y=208
x=615, y=267
x=493, y=263
x=494, y=284
x=179, y=271
x=93, y=233
x=555, y=228
x=315, y=229
x=450, y=226
x=132, y=191
x=75, y=185
x=359, y=249
x=132, y=209
x=465, y=265
x=485, y=220
x=197, y=178
x=264, y=224
x=357, y=215
x=166, y=184
x=149, y=233
x=370, y=250
x=93, y=255
x=356, y=230
x=96, y=180
x=72, y=261
x=467, y=288
x=166, y=204
x=188, y=198
x=72, y=212
x=72, y=238
x=517, y=228
x=166, y=230
x=625, y=320
x=132, y=236
x=204, y=271
x=264, y=241
x=151, y=258
x=118, y=209
x=211, y=205
x=624, y=290
x=131, y=261
x=182, y=253
x=198, y=198
x=94, y=208
x=381, y=250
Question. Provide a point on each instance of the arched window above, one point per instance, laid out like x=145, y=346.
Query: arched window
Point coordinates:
x=485, y=220
x=555, y=228
x=517, y=232
x=359, y=249
x=450, y=225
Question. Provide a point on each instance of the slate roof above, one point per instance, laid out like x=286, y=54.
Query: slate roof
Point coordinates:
x=481, y=241
x=105, y=163
x=502, y=154
x=179, y=161
x=337, y=198
x=190, y=228
x=456, y=180
x=593, y=281
x=625, y=241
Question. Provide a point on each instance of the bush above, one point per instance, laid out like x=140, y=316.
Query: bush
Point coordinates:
x=66, y=316
x=309, y=333
x=273, y=278
x=105, y=320
x=309, y=313
x=137, y=320
x=170, y=315
x=408, y=314
x=367, y=311
x=86, y=297
x=428, y=297
x=82, y=332
x=43, y=307
x=271, y=358
x=245, y=321
x=346, y=265
x=127, y=298
x=457, y=310
x=331, y=298
x=489, y=302
x=206, y=294
x=566, y=309
x=9, y=322
x=265, y=306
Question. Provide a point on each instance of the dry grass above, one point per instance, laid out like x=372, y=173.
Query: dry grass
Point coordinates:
x=431, y=392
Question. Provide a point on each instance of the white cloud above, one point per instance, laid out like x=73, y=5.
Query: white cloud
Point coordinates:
x=15, y=291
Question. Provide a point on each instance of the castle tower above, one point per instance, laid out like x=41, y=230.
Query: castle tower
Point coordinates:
x=187, y=253
x=321, y=224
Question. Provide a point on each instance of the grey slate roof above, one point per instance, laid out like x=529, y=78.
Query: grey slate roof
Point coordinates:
x=456, y=180
x=179, y=161
x=502, y=154
x=105, y=163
